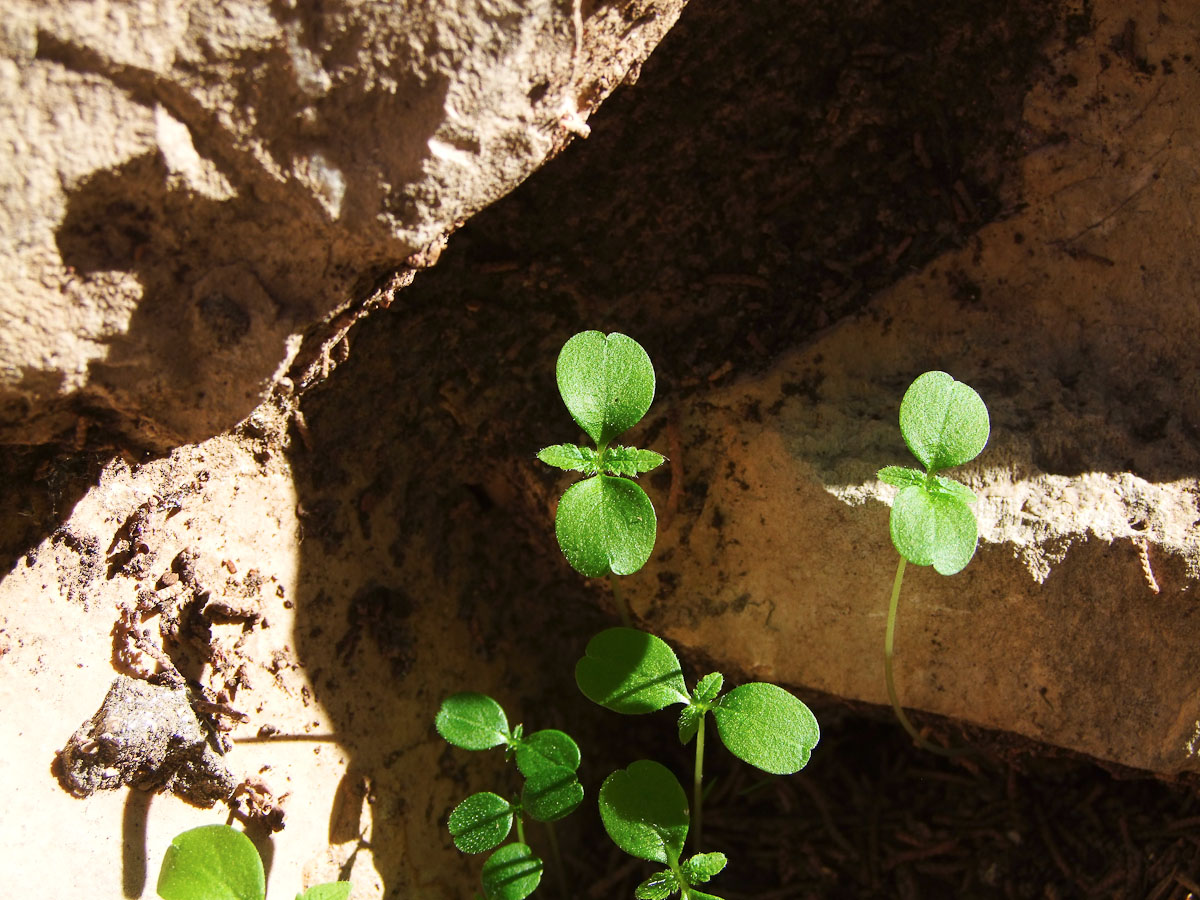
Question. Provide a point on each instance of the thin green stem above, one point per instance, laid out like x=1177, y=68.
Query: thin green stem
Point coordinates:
x=619, y=598
x=697, y=781
x=558, y=863
x=888, y=649
x=521, y=830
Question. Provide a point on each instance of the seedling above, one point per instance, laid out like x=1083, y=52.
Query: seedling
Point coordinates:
x=547, y=759
x=645, y=812
x=605, y=524
x=945, y=424
x=216, y=862
x=633, y=672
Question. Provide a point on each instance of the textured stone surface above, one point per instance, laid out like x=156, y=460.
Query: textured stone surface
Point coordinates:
x=189, y=188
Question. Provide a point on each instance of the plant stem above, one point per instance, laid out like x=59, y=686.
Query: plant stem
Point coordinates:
x=558, y=863
x=697, y=780
x=521, y=830
x=888, y=648
x=619, y=597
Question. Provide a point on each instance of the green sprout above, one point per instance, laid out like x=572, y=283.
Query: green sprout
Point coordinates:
x=216, y=862
x=605, y=524
x=945, y=423
x=633, y=672
x=645, y=812
x=548, y=760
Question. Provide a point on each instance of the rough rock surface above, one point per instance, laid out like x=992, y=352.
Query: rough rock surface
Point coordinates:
x=189, y=188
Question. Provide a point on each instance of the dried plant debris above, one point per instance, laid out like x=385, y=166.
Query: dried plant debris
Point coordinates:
x=146, y=736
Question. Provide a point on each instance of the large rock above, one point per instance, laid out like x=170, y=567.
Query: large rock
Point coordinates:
x=189, y=188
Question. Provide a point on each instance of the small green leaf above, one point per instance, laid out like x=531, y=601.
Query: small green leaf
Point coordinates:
x=933, y=529
x=607, y=383
x=333, y=890
x=631, y=672
x=767, y=727
x=708, y=687
x=943, y=485
x=212, y=862
x=571, y=457
x=901, y=476
x=605, y=524
x=511, y=873
x=472, y=721
x=480, y=822
x=944, y=422
x=659, y=886
x=645, y=811
x=689, y=723
x=703, y=866
x=547, y=749
x=551, y=794
x=630, y=461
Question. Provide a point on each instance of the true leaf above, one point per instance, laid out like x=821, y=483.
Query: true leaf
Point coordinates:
x=630, y=461
x=767, y=727
x=700, y=895
x=631, y=672
x=212, y=862
x=511, y=873
x=605, y=524
x=480, y=822
x=472, y=721
x=571, y=457
x=659, y=886
x=944, y=422
x=333, y=890
x=551, y=794
x=547, y=749
x=645, y=811
x=607, y=383
x=703, y=866
x=708, y=687
x=689, y=723
x=901, y=476
x=943, y=485
x=933, y=529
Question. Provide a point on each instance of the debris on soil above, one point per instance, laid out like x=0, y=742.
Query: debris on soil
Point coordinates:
x=146, y=736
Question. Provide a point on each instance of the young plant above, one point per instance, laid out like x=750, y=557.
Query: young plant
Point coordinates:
x=645, y=812
x=945, y=424
x=547, y=759
x=216, y=862
x=605, y=524
x=633, y=672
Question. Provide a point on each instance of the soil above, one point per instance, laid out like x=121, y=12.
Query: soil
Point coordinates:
x=721, y=227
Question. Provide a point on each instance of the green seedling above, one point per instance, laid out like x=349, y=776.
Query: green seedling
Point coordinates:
x=645, y=812
x=548, y=760
x=633, y=672
x=605, y=524
x=216, y=862
x=945, y=424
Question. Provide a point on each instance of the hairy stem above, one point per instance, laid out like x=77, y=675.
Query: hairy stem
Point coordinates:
x=888, y=649
x=619, y=597
x=697, y=781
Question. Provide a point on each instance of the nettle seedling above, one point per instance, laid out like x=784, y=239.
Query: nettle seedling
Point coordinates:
x=645, y=812
x=633, y=672
x=605, y=524
x=548, y=760
x=217, y=862
x=945, y=424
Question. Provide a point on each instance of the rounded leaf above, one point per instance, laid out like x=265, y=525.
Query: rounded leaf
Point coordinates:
x=551, y=794
x=333, y=890
x=605, y=524
x=480, y=822
x=607, y=383
x=645, y=811
x=511, y=873
x=545, y=750
x=944, y=422
x=933, y=529
x=212, y=862
x=631, y=672
x=767, y=727
x=472, y=721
